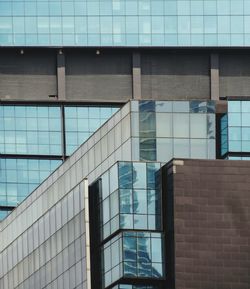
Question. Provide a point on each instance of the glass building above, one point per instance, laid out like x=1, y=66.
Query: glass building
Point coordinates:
x=35, y=139
x=130, y=200
x=102, y=219
x=125, y=23
x=96, y=97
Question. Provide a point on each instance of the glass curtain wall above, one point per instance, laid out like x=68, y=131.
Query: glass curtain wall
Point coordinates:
x=35, y=139
x=162, y=130
x=235, y=131
x=125, y=23
x=131, y=238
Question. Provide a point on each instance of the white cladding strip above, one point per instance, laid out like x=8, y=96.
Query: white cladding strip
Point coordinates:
x=86, y=205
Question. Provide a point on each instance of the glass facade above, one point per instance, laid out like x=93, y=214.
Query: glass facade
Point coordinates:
x=162, y=130
x=34, y=130
x=33, y=143
x=133, y=255
x=128, y=193
x=19, y=177
x=126, y=210
x=235, y=130
x=82, y=121
x=130, y=198
x=125, y=23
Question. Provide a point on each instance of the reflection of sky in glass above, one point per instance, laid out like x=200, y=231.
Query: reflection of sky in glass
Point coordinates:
x=82, y=121
x=135, y=201
x=19, y=177
x=235, y=128
x=34, y=130
x=125, y=23
x=162, y=130
x=140, y=256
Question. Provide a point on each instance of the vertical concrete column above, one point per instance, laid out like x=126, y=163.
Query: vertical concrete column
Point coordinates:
x=214, y=76
x=61, y=86
x=136, y=72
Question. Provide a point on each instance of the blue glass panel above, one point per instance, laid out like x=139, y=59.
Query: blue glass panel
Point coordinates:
x=82, y=121
x=140, y=202
x=139, y=176
x=126, y=201
x=31, y=130
x=147, y=149
x=19, y=177
x=125, y=175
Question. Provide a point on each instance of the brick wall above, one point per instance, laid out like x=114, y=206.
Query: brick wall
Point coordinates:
x=209, y=228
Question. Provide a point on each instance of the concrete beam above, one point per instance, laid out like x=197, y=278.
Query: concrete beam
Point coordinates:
x=61, y=81
x=136, y=73
x=214, y=76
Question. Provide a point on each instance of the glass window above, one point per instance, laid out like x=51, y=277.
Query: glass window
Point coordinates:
x=164, y=125
x=197, y=24
x=181, y=148
x=21, y=176
x=140, y=202
x=183, y=7
x=184, y=24
x=152, y=175
x=197, y=7
x=164, y=148
x=114, y=204
x=198, y=125
x=181, y=106
x=132, y=25
x=223, y=24
x=234, y=119
x=26, y=133
x=210, y=24
x=198, y=148
x=147, y=149
x=245, y=119
x=180, y=125
x=234, y=106
x=126, y=201
x=171, y=24
x=131, y=7
x=125, y=175
x=83, y=120
x=139, y=175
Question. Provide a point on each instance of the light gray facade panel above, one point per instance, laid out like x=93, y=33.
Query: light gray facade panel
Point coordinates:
x=46, y=261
